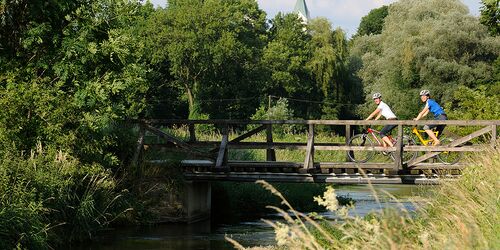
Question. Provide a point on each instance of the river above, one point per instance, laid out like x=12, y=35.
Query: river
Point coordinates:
x=206, y=236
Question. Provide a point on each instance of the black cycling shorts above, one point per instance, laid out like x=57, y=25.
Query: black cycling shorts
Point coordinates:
x=386, y=130
x=439, y=128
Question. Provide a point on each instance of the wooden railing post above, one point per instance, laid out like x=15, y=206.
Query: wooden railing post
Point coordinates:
x=347, y=139
x=398, y=156
x=493, y=136
x=309, y=161
x=270, y=153
x=139, y=145
x=192, y=133
x=222, y=155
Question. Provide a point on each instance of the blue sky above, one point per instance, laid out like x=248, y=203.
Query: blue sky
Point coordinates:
x=344, y=13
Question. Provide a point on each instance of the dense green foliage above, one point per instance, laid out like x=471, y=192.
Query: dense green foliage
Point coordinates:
x=71, y=71
x=490, y=16
x=48, y=194
x=432, y=45
x=213, y=49
x=373, y=23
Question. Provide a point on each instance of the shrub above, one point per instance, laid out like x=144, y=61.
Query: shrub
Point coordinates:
x=48, y=197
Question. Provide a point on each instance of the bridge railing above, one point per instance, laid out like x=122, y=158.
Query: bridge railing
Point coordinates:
x=219, y=151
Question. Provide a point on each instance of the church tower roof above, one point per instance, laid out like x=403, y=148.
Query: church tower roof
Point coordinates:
x=302, y=10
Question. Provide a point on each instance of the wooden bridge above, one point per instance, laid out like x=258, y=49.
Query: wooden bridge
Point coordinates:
x=208, y=160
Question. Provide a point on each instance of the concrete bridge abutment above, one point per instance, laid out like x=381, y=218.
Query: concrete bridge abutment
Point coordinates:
x=197, y=201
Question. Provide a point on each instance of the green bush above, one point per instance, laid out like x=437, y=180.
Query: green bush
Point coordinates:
x=48, y=195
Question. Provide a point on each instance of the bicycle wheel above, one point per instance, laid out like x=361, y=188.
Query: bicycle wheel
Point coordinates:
x=358, y=155
x=449, y=157
x=407, y=155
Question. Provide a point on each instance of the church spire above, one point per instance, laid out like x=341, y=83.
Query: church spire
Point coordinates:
x=301, y=10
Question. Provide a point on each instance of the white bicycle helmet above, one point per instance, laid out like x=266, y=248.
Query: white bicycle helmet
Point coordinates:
x=425, y=92
x=376, y=95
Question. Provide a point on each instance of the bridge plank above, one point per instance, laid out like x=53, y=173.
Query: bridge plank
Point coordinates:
x=322, y=146
x=437, y=166
x=445, y=148
x=317, y=178
x=322, y=165
x=354, y=165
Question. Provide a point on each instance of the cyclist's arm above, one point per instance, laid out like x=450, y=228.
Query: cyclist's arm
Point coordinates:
x=378, y=116
x=376, y=111
x=423, y=113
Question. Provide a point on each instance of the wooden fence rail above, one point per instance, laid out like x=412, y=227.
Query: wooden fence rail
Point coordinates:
x=219, y=149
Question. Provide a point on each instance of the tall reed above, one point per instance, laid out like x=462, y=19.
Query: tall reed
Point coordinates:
x=461, y=214
x=48, y=198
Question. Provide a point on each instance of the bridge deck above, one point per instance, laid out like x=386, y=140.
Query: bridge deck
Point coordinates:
x=245, y=171
x=318, y=178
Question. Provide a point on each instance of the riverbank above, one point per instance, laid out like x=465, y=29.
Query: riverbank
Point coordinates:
x=461, y=214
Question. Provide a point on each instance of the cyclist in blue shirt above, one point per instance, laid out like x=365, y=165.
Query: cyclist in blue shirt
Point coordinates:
x=432, y=106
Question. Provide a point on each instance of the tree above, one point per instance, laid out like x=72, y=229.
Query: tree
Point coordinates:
x=328, y=62
x=285, y=58
x=70, y=77
x=71, y=71
x=373, y=23
x=428, y=44
x=490, y=16
x=212, y=46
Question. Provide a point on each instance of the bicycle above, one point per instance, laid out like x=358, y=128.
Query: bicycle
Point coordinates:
x=446, y=157
x=363, y=139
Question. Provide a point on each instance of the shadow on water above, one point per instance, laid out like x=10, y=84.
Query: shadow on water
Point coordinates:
x=210, y=236
x=199, y=235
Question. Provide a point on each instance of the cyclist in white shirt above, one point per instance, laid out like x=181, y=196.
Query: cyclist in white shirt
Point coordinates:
x=383, y=110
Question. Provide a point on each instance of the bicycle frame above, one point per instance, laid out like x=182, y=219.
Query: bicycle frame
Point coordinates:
x=373, y=132
x=419, y=132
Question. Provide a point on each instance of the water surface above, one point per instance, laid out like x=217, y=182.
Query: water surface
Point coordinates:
x=207, y=236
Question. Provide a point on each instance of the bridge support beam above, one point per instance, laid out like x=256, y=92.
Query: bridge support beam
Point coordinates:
x=197, y=201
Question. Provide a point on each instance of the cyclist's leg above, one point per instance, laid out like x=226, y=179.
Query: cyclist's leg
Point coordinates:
x=428, y=130
x=384, y=132
x=440, y=128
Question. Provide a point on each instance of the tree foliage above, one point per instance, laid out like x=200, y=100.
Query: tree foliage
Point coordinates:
x=213, y=48
x=373, y=23
x=71, y=71
x=490, y=16
x=428, y=44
